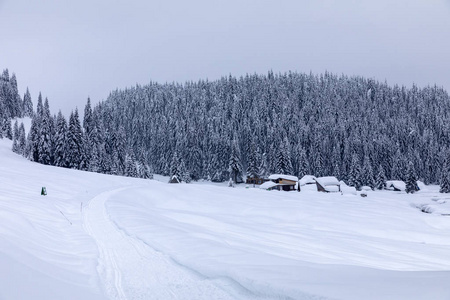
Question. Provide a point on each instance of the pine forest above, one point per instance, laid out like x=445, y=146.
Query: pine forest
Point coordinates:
x=357, y=129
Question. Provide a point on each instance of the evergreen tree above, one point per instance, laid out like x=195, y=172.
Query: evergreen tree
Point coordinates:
x=27, y=105
x=175, y=169
x=367, y=177
x=445, y=181
x=22, y=140
x=380, y=182
x=354, y=177
x=130, y=166
x=15, y=145
x=33, y=140
x=87, y=119
x=15, y=102
x=303, y=164
x=263, y=168
x=235, y=166
x=184, y=173
x=253, y=164
x=94, y=162
x=45, y=139
x=411, y=181
x=74, y=142
x=284, y=164
x=60, y=159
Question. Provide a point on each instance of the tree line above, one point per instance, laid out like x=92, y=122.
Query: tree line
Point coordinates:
x=360, y=130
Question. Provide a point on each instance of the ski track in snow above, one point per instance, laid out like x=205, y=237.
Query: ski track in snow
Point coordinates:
x=130, y=269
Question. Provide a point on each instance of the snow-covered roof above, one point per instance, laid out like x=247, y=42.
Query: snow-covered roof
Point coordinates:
x=282, y=176
x=345, y=189
x=328, y=180
x=267, y=185
x=397, y=184
x=174, y=179
x=307, y=179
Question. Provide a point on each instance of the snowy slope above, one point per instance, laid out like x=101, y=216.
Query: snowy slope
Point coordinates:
x=97, y=236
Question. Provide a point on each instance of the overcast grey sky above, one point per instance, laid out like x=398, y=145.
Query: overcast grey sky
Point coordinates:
x=70, y=50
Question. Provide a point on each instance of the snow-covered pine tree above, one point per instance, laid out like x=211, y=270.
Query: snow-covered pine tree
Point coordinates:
x=445, y=178
x=45, y=146
x=367, y=177
x=263, y=171
x=399, y=166
x=354, y=177
x=303, y=164
x=175, y=169
x=74, y=142
x=16, y=101
x=283, y=159
x=15, y=144
x=120, y=149
x=94, y=162
x=235, y=166
x=22, y=142
x=411, y=179
x=252, y=164
x=33, y=150
x=380, y=181
x=7, y=129
x=130, y=166
x=87, y=118
x=444, y=186
x=27, y=105
x=60, y=141
x=336, y=163
x=185, y=176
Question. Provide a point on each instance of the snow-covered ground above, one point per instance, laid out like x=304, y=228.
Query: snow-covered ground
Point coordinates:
x=108, y=237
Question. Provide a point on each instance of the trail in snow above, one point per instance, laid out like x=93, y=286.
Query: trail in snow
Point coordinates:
x=131, y=269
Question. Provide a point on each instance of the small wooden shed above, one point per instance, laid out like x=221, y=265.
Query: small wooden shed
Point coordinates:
x=395, y=185
x=307, y=179
x=174, y=179
x=285, y=182
x=255, y=180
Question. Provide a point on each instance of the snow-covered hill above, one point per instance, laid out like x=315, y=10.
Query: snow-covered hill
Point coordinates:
x=97, y=237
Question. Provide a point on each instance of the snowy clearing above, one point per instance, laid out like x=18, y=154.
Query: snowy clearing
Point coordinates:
x=107, y=237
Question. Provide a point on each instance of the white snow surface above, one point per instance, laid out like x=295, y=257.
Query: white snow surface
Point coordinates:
x=108, y=237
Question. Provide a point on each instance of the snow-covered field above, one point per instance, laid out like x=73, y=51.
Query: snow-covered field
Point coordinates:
x=108, y=237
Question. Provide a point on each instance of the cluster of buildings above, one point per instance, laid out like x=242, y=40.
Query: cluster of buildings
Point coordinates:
x=328, y=184
x=283, y=182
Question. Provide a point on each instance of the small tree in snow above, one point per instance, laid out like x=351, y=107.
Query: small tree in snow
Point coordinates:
x=411, y=179
x=230, y=183
x=354, y=177
x=380, y=181
x=235, y=166
x=367, y=173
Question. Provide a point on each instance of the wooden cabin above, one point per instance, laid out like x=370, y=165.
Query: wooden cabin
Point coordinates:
x=395, y=185
x=328, y=184
x=307, y=179
x=281, y=182
x=255, y=180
